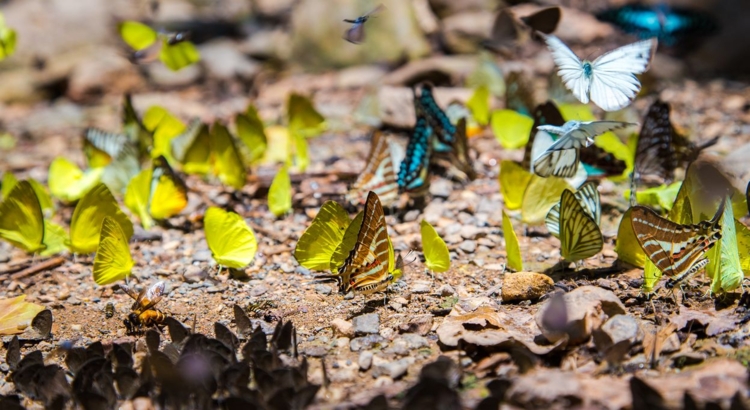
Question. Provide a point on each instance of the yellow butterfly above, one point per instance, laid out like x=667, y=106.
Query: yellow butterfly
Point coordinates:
x=580, y=237
x=231, y=240
x=7, y=40
x=68, y=183
x=280, y=193
x=320, y=240
x=21, y=219
x=116, y=153
x=112, y=261
x=192, y=148
x=173, y=48
x=88, y=216
x=251, y=132
x=9, y=182
x=227, y=162
x=156, y=193
x=436, y=254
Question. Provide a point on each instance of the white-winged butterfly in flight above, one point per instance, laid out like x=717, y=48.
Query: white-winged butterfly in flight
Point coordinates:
x=676, y=250
x=356, y=33
x=610, y=80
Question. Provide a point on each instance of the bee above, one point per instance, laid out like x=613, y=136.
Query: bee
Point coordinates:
x=260, y=308
x=143, y=313
x=109, y=310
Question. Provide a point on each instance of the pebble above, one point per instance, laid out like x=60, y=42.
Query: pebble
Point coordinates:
x=343, y=327
x=606, y=284
x=75, y=328
x=202, y=256
x=365, y=360
x=407, y=342
x=421, y=286
x=420, y=325
x=258, y=290
x=366, y=324
x=301, y=270
x=468, y=246
x=525, y=286
x=214, y=289
x=446, y=290
x=411, y=216
x=365, y=342
x=394, y=369
x=74, y=301
x=323, y=289
x=619, y=328
x=470, y=232
x=495, y=266
x=316, y=349
x=194, y=274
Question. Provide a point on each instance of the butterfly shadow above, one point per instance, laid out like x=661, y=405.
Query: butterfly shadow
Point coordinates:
x=561, y=271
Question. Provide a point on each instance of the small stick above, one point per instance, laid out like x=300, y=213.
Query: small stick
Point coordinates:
x=46, y=265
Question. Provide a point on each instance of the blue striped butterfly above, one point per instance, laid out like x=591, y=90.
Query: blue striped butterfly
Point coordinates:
x=580, y=237
x=669, y=24
x=369, y=267
x=379, y=175
x=589, y=198
x=413, y=175
x=609, y=81
x=660, y=149
x=561, y=159
x=426, y=107
x=676, y=250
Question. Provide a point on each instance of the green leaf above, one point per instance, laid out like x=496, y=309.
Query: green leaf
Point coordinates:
x=724, y=259
x=137, y=35
x=178, y=56
x=304, y=119
x=437, y=257
x=479, y=105
x=511, y=128
x=512, y=248
x=280, y=193
x=513, y=179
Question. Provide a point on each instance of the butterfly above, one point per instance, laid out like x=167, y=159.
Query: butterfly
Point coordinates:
x=133, y=127
x=506, y=30
x=172, y=49
x=116, y=153
x=317, y=244
x=437, y=257
x=519, y=96
x=379, y=175
x=21, y=219
x=589, y=198
x=668, y=24
x=231, y=240
x=356, y=33
x=280, y=193
x=580, y=237
x=609, y=81
x=112, y=261
x=660, y=149
x=676, y=250
x=562, y=157
x=413, y=173
x=426, y=107
x=156, y=193
x=368, y=267
x=88, y=216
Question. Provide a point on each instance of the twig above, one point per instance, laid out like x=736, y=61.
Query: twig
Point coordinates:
x=46, y=265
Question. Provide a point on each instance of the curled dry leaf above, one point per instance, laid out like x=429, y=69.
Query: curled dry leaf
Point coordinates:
x=16, y=315
x=486, y=326
x=715, y=322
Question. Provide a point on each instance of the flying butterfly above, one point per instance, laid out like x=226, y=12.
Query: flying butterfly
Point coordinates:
x=589, y=198
x=669, y=24
x=368, y=267
x=356, y=33
x=580, y=237
x=413, y=173
x=661, y=149
x=378, y=175
x=561, y=159
x=143, y=314
x=676, y=250
x=610, y=80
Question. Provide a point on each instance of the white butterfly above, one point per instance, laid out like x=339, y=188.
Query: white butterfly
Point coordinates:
x=609, y=81
x=542, y=141
x=561, y=158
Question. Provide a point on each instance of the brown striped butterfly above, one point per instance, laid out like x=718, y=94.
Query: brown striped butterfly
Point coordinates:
x=379, y=175
x=677, y=250
x=367, y=268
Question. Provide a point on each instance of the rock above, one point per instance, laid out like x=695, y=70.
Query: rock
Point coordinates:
x=323, y=289
x=366, y=324
x=343, y=327
x=224, y=61
x=202, y=256
x=446, y=290
x=411, y=216
x=163, y=76
x=616, y=336
x=258, y=290
x=365, y=360
x=525, y=286
x=421, y=286
x=316, y=349
x=420, y=325
x=365, y=342
x=394, y=369
x=464, y=32
x=441, y=188
x=470, y=232
x=275, y=8
x=194, y=274
x=587, y=308
x=445, y=8
x=468, y=246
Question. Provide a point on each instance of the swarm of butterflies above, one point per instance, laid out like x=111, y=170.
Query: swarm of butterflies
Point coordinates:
x=550, y=186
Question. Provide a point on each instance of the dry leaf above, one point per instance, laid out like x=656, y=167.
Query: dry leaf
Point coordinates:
x=16, y=315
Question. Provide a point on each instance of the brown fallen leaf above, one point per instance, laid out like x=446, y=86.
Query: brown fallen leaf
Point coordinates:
x=16, y=315
x=714, y=323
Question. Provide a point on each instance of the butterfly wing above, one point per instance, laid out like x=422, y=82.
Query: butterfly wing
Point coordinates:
x=590, y=200
x=613, y=81
x=436, y=254
x=137, y=196
x=426, y=107
x=584, y=134
x=412, y=173
x=544, y=114
x=580, y=237
x=544, y=20
x=317, y=244
x=88, y=216
x=168, y=192
x=112, y=261
x=378, y=175
x=133, y=127
x=192, y=148
x=228, y=165
x=21, y=219
x=569, y=68
x=519, y=96
x=231, y=240
x=655, y=153
x=560, y=163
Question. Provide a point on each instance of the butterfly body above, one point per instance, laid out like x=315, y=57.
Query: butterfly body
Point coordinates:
x=413, y=171
x=676, y=250
x=610, y=80
x=356, y=33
